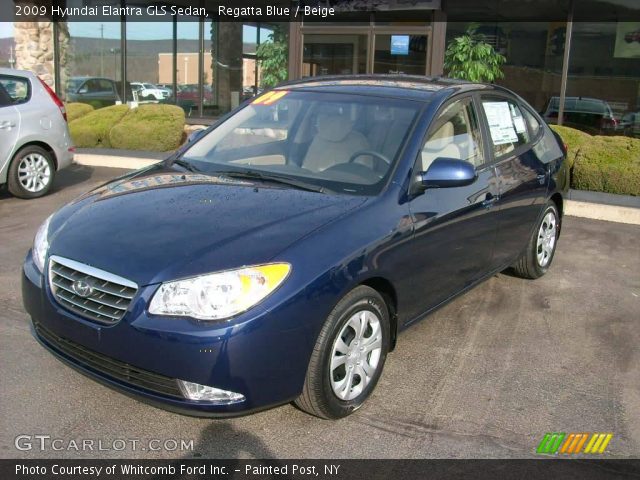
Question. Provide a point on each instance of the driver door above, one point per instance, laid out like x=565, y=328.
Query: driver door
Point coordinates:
x=455, y=228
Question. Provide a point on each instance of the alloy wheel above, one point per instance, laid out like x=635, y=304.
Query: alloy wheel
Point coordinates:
x=547, y=235
x=34, y=172
x=355, y=355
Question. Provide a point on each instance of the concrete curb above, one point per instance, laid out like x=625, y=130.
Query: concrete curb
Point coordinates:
x=113, y=161
x=598, y=211
x=574, y=208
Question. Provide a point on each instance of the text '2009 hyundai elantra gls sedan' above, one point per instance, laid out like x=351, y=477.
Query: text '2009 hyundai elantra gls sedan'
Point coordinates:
x=276, y=257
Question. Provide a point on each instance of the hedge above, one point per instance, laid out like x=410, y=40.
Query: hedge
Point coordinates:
x=149, y=127
x=77, y=110
x=598, y=163
x=92, y=130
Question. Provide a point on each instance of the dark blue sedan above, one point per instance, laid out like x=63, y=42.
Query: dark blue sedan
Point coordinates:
x=277, y=256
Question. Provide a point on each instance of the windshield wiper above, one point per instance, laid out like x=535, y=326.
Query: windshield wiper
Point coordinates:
x=270, y=177
x=184, y=164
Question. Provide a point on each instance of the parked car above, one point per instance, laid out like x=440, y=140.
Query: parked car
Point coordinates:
x=591, y=115
x=149, y=91
x=167, y=87
x=290, y=262
x=34, y=137
x=633, y=36
x=630, y=124
x=98, y=92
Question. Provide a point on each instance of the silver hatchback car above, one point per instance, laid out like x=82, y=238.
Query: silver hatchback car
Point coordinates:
x=34, y=136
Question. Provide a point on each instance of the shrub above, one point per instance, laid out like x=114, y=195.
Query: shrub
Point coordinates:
x=149, y=127
x=603, y=163
x=77, y=110
x=574, y=140
x=92, y=130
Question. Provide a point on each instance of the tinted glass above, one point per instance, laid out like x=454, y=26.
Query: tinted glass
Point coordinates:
x=506, y=125
x=17, y=88
x=532, y=122
x=324, y=139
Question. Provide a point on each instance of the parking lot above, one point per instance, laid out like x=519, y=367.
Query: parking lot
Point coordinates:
x=486, y=376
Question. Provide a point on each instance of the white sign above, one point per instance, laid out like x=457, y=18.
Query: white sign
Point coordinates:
x=500, y=123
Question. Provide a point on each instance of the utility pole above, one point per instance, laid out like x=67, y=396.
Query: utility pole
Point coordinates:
x=102, y=49
x=12, y=61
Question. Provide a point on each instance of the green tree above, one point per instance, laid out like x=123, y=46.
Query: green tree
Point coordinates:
x=273, y=58
x=469, y=57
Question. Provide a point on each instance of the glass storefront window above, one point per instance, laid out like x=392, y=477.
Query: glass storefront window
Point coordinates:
x=603, y=86
x=91, y=63
x=188, y=69
x=150, y=61
x=7, y=45
x=334, y=54
x=400, y=54
x=534, y=54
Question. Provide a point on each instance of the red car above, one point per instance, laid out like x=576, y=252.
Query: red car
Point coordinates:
x=632, y=37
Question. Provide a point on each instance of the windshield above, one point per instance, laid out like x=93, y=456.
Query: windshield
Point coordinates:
x=340, y=142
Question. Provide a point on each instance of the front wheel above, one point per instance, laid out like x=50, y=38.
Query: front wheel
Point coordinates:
x=537, y=257
x=348, y=357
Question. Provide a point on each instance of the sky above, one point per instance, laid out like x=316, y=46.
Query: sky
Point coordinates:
x=135, y=30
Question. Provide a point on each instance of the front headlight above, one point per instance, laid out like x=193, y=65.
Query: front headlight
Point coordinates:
x=41, y=244
x=218, y=295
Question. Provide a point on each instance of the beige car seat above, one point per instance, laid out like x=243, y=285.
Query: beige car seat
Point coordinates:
x=334, y=143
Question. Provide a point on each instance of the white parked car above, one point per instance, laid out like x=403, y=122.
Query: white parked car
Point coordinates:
x=149, y=91
x=34, y=136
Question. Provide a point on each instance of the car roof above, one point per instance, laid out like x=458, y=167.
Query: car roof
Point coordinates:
x=414, y=87
x=19, y=73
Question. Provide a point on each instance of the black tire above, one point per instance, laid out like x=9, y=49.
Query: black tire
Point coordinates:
x=318, y=397
x=13, y=181
x=528, y=265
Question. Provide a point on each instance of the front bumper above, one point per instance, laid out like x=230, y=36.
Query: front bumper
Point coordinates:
x=262, y=355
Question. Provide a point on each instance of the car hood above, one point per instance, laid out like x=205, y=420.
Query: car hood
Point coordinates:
x=160, y=224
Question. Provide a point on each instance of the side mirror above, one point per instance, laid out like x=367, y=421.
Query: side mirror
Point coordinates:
x=447, y=172
x=83, y=90
x=195, y=135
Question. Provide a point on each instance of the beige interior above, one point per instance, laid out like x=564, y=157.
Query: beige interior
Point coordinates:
x=335, y=142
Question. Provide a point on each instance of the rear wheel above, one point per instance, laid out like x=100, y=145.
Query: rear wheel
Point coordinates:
x=349, y=355
x=31, y=173
x=537, y=258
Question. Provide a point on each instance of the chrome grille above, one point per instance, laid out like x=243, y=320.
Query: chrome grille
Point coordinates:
x=108, y=296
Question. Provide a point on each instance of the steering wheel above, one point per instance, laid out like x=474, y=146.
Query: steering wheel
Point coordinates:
x=371, y=153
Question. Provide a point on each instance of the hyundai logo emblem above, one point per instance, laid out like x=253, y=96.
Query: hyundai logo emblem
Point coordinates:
x=82, y=288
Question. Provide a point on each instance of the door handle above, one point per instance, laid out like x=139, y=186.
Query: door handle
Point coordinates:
x=7, y=125
x=542, y=178
x=489, y=200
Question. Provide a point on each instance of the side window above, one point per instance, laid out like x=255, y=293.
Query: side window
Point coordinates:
x=506, y=125
x=15, y=88
x=534, y=124
x=105, y=86
x=5, y=99
x=455, y=134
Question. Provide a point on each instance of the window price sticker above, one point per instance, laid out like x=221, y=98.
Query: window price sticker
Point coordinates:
x=500, y=122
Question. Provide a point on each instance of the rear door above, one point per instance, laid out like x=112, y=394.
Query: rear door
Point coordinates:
x=523, y=176
x=455, y=228
x=13, y=91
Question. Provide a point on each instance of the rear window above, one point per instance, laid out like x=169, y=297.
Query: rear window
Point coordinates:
x=18, y=89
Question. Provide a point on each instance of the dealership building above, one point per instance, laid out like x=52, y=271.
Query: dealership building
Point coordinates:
x=558, y=52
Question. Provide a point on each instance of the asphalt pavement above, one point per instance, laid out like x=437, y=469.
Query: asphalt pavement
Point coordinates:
x=486, y=376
